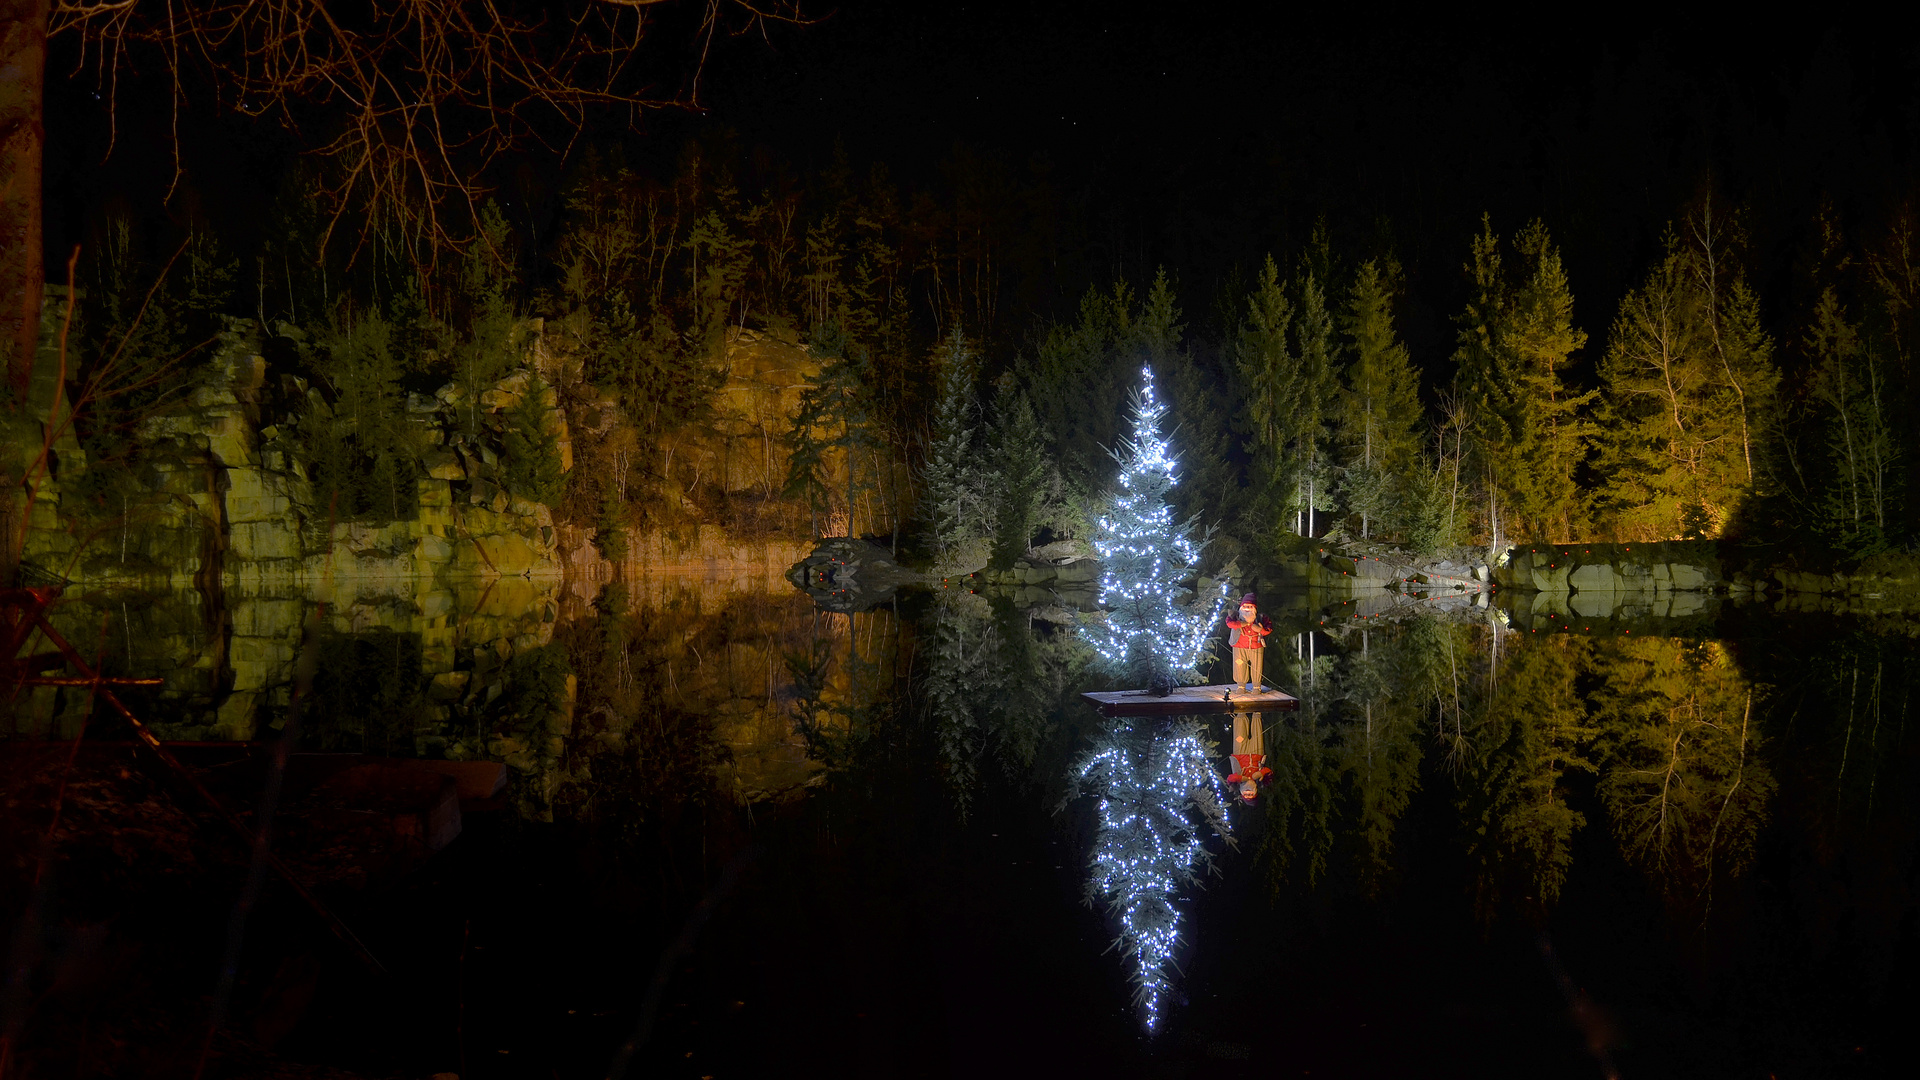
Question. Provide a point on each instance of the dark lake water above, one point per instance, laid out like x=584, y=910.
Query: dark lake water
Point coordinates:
x=748, y=838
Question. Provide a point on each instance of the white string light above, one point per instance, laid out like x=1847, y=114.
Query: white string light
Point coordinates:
x=1148, y=843
x=1146, y=557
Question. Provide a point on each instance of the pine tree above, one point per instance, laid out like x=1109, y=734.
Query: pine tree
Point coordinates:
x=361, y=451
x=1834, y=452
x=1152, y=632
x=1850, y=381
x=1075, y=379
x=1159, y=795
x=532, y=458
x=1544, y=339
x=1527, y=735
x=1380, y=416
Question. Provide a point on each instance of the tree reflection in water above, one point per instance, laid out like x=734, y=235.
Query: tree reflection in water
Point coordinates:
x=1159, y=796
x=1750, y=775
x=1506, y=753
x=1684, y=787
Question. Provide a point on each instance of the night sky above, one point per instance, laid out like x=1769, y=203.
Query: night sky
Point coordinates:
x=1202, y=138
x=1206, y=137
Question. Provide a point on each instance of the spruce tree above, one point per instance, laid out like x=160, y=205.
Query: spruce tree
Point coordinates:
x=1313, y=334
x=1153, y=632
x=834, y=414
x=1543, y=339
x=1199, y=408
x=1020, y=472
x=1076, y=383
x=1850, y=382
x=1380, y=417
x=952, y=489
x=1272, y=399
x=532, y=458
x=1516, y=340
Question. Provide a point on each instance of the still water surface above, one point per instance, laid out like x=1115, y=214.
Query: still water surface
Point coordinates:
x=746, y=837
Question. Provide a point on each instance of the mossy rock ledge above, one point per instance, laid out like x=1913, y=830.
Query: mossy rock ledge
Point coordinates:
x=1613, y=569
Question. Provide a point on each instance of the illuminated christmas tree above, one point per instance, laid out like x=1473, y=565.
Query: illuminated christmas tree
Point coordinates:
x=1155, y=631
x=1159, y=794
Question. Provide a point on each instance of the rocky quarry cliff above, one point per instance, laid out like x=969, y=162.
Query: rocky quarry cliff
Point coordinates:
x=221, y=494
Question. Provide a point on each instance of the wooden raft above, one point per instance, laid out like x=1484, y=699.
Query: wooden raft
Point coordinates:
x=1225, y=698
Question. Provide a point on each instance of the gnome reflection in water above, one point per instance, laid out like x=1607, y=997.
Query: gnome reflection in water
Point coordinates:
x=1249, y=758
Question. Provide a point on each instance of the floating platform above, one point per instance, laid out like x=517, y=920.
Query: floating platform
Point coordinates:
x=1225, y=698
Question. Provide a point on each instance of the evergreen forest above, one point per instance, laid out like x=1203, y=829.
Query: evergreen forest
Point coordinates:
x=1697, y=328
x=973, y=365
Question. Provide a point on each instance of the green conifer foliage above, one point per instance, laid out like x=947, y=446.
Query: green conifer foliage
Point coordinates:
x=533, y=458
x=1201, y=411
x=1685, y=373
x=1892, y=269
x=1315, y=347
x=495, y=339
x=1274, y=397
x=954, y=495
x=1020, y=473
x=1380, y=415
x=1528, y=733
x=1284, y=357
x=1075, y=382
x=835, y=414
x=360, y=448
x=1849, y=381
x=1516, y=340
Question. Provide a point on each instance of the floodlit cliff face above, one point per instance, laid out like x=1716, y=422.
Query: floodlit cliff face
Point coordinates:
x=220, y=493
x=740, y=449
x=224, y=500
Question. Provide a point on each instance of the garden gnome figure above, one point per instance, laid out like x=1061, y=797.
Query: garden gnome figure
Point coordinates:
x=1249, y=754
x=1250, y=630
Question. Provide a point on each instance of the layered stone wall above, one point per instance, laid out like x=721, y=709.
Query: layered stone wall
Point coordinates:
x=1655, y=567
x=1362, y=572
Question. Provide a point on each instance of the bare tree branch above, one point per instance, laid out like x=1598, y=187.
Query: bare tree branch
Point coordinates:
x=409, y=101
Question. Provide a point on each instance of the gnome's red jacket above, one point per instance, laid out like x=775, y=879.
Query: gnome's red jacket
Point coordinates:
x=1252, y=634
x=1249, y=767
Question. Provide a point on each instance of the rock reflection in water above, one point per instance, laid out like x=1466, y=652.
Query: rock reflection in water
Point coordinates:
x=603, y=699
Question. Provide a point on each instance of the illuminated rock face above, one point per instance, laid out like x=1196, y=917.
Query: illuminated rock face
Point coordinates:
x=766, y=374
x=220, y=491
x=1613, y=569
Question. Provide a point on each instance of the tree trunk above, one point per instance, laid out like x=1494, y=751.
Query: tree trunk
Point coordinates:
x=23, y=60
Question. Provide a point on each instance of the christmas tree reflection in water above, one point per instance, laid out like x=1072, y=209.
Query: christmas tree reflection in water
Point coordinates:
x=1159, y=795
